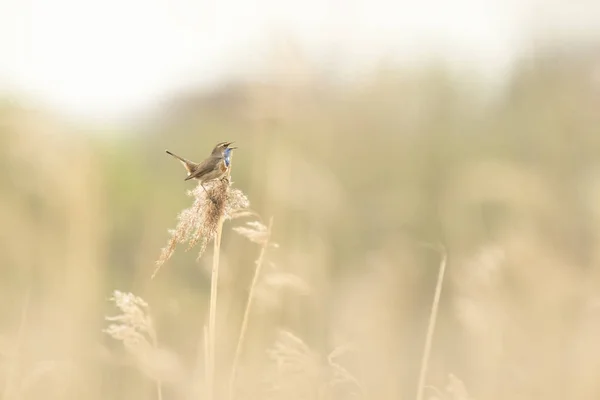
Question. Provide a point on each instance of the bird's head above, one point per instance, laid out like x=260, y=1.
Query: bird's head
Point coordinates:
x=221, y=147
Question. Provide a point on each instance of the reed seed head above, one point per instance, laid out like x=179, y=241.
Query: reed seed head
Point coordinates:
x=197, y=225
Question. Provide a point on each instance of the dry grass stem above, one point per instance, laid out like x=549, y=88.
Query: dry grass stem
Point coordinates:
x=431, y=325
x=206, y=344
x=260, y=234
x=212, y=316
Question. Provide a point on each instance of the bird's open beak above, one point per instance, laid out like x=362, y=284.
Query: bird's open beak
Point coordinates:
x=231, y=148
x=228, y=144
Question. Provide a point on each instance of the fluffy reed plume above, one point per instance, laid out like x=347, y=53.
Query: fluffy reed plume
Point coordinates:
x=298, y=372
x=134, y=327
x=455, y=390
x=199, y=223
x=256, y=232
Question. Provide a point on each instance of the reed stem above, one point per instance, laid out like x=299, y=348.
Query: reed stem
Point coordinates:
x=244, y=327
x=431, y=326
x=210, y=375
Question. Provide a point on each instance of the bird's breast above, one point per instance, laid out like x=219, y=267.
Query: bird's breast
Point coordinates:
x=223, y=167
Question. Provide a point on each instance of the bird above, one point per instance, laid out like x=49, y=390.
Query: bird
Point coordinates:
x=213, y=167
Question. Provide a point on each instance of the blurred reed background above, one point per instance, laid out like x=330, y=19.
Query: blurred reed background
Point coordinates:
x=356, y=178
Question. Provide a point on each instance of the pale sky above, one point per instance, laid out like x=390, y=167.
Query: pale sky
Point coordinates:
x=105, y=57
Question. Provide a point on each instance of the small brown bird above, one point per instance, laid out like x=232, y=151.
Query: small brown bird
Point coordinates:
x=214, y=167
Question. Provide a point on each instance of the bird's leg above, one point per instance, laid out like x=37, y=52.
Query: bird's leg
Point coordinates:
x=207, y=194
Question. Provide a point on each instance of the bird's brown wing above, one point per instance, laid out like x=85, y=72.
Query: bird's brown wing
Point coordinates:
x=205, y=168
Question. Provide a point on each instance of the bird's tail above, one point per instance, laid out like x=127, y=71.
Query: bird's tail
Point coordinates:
x=189, y=166
x=177, y=157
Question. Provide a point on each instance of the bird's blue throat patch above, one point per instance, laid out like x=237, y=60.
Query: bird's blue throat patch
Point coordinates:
x=227, y=156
